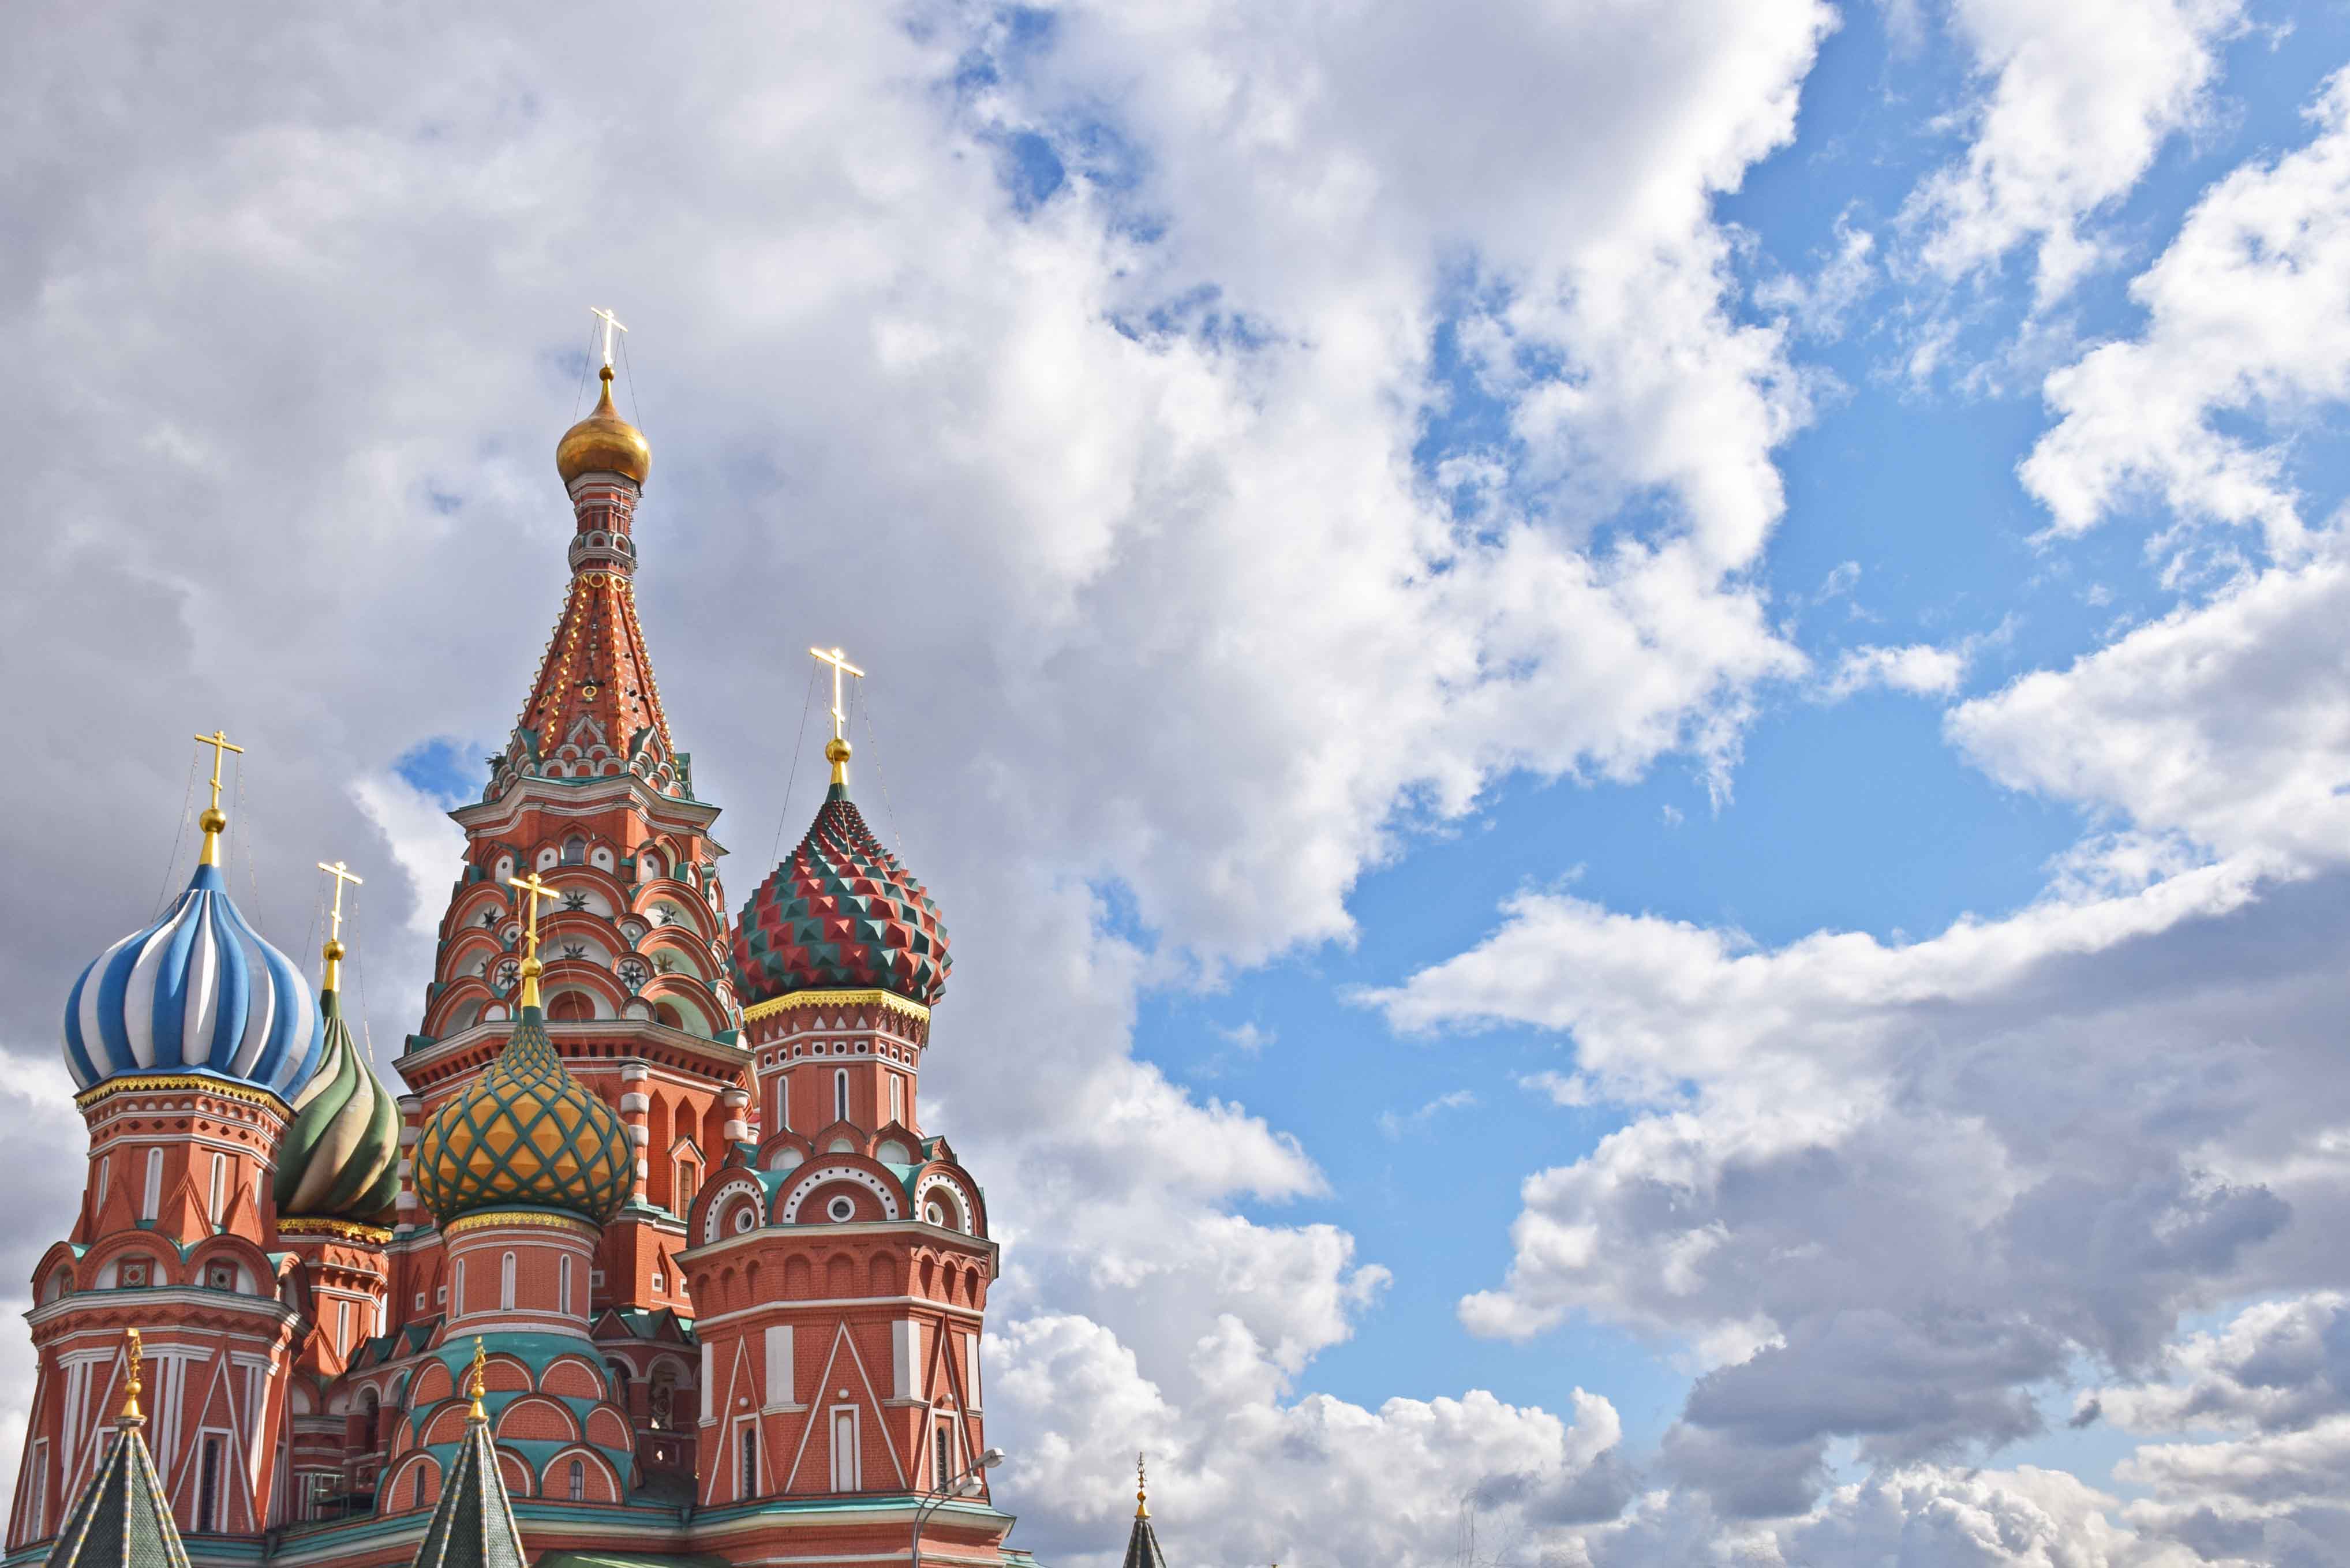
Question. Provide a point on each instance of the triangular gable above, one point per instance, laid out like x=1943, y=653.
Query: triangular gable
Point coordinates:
x=821, y=1399
x=216, y=1411
x=737, y=1385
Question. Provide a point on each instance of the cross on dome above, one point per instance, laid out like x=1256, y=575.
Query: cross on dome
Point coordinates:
x=611, y=324
x=837, y=751
x=213, y=821
x=536, y=887
x=333, y=951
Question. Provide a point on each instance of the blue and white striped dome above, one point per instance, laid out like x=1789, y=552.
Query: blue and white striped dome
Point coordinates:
x=195, y=992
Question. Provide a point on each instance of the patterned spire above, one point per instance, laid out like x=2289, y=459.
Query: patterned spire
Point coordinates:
x=121, y=1519
x=1142, y=1543
x=473, y=1527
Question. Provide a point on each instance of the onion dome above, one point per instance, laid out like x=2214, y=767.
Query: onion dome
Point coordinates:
x=604, y=442
x=526, y=1134
x=340, y=1156
x=197, y=992
x=840, y=913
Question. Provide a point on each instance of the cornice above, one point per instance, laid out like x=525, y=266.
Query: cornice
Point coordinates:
x=175, y=1082
x=730, y=1060
x=338, y=1230
x=870, y=997
x=585, y=797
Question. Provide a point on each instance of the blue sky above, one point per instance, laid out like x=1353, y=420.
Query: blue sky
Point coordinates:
x=1769, y=571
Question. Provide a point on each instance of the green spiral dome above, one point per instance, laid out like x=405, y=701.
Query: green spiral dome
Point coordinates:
x=526, y=1134
x=340, y=1156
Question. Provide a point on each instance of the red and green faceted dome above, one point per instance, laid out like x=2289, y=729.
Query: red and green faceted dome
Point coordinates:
x=841, y=914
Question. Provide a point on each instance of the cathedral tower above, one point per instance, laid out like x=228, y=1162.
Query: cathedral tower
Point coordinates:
x=187, y=1040
x=842, y=1267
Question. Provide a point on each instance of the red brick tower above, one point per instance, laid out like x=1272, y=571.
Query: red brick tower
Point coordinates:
x=841, y=1271
x=592, y=796
x=188, y=1039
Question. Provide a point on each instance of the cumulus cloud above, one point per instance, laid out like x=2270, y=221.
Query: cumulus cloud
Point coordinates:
x=2079, y=100
x=1918, y=669
x=2245, y=340
x=1117, y=462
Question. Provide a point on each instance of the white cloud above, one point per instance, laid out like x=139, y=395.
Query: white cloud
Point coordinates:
x=1163, y=607
x=2081, y=98
x=1919, y=669
x=1394, y=1123
x=2245, y=327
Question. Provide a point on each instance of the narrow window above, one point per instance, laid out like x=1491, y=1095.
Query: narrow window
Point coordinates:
x=688, y=1182
x=844, y=1451
x=575, y=851
x=416, y=1499
x=152, y=1199
x=208, y=1487
x=219, y=1183
x=939, y=1473
x=578, y=1480
x=37, y=1496
x=747, y=1438
x=457, y=1281
x=562, y=1288
x=105, y=1169
x=343, y=1327
x=783, y=1114
x=507, y=1281
x=896, y=1098
x=840, y=1094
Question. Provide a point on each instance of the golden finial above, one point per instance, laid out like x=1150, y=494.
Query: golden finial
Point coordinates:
x=536, y=886
x=130, y=1390
x=1141, y=1490
x=836, y=751
x=476, y=1385
x=333, y=951
x=214, y=819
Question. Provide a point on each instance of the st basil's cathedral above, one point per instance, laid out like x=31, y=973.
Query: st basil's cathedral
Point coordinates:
x=650, y=1260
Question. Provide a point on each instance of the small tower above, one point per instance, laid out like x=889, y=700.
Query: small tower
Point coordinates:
x=337, y=1170
x=1142, y=1542
x=188, y=1040
x=121, y=1519
x=840, y=1270
x=474, y=1524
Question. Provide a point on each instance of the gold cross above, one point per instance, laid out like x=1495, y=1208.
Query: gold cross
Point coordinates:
x=341, y=874
x=333, y=951
x=536, y=887
x=611, y=324
x=840, y=667
x=212, y=822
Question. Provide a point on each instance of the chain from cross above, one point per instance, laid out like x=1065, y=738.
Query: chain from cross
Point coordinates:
x=342, y=874
x=611, y=324
x=538, y=887
x=840, y=667
x=220, y=743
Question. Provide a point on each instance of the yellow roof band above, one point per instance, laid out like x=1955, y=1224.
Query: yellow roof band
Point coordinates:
x=889, y=998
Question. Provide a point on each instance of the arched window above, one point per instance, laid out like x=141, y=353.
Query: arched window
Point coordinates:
x=649, y=865
x=688, y=1182
x=896, y=1098
x=152, y=1200
x=783, y=1109
x=575, y=852
x=578, y=1480
x=840, y=1094
x=105, y=1169
x=219, y=1189
x=563, y=1287
x=570, y=1007
x=457, y=1290
x=507, y=1281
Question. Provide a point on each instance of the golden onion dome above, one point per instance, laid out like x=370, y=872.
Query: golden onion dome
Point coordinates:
x=526, y=1134
x=604, y=442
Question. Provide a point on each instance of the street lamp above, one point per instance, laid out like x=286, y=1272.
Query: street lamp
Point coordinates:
x=965, y=1484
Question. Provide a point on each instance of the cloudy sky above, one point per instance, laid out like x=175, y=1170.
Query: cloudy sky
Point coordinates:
x=1633, y=718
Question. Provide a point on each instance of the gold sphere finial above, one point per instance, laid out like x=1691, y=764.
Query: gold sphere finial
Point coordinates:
x=477, y=1383
x=132, y=1354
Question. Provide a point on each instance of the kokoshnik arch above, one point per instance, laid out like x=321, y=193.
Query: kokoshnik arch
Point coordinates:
x=653, y=1256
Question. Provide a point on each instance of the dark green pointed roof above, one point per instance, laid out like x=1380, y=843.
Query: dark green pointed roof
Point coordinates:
x=120, y=1520
x=1142, y=1547
x=473, y=1527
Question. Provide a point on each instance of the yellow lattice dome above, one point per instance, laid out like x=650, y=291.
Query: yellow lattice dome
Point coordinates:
x=524, y=1135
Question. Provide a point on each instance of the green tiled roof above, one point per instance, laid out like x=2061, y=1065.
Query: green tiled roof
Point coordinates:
x=473, y=1526
x=1142, y=1547
x=120, y=1520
